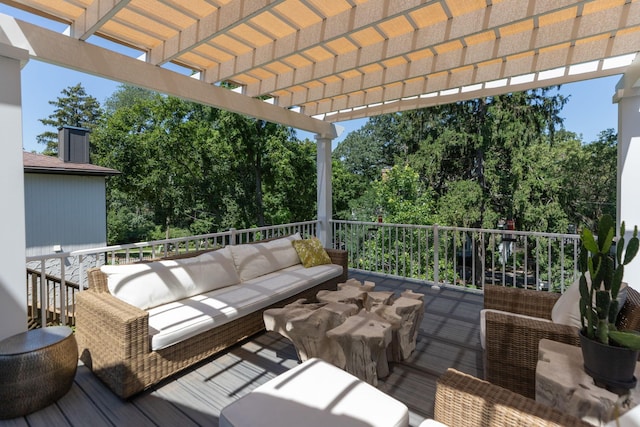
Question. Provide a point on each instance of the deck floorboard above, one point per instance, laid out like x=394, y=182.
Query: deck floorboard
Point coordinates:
x=448, y=337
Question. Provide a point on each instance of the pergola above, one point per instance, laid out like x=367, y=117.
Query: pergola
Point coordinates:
x=311, y=63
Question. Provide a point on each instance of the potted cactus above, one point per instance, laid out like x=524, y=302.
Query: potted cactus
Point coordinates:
x=600, y=281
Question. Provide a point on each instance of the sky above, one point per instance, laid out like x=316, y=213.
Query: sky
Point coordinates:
x=588, y=111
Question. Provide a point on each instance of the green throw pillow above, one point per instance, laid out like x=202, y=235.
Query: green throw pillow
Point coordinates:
x=311, y=252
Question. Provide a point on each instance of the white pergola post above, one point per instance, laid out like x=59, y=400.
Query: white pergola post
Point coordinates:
x=324, y=192
x=628, y=191
x=13, y=289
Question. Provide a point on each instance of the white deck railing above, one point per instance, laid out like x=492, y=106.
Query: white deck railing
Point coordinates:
x=433, y=254
x=468, y=257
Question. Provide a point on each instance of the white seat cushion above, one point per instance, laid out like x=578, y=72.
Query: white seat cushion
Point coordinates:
x=150, y=284
x=176, y=321
x=315, y=394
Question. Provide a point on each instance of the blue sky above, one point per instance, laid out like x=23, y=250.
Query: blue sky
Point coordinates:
x=588, y=112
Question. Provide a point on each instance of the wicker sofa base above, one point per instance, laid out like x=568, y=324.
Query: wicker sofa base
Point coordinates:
x=113, y=338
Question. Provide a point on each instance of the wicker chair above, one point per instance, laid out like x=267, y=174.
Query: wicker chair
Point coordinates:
x=463, y=400
x=511, y=350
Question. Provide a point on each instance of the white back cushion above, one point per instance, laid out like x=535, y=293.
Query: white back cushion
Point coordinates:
x=256, y=259
x=566, y=310
x=148, y=285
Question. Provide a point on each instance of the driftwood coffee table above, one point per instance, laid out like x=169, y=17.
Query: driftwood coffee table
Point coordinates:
x=355, y=328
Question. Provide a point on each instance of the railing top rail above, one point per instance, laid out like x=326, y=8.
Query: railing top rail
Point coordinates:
x=176, y=240
x=270, y=227
x=467, y=229
x=138, y=245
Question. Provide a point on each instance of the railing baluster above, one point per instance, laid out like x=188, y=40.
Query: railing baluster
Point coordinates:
x=538, y=261
x=550, y=278
x=436, y=255
x=562, y=264
x=44, y=296
x=63, y=294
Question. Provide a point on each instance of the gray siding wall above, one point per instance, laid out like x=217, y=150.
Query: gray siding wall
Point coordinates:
x=66, y=210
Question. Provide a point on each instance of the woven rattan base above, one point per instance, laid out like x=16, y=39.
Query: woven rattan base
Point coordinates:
x=37, y=368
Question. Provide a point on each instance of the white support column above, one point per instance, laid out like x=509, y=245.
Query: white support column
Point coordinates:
x=324, y=193
x=13, y=290
x=628, y=192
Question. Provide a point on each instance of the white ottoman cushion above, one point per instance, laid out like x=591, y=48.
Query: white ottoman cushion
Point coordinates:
x=315, y=394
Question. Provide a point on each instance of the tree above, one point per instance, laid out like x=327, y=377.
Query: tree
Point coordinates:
x=589, y=174
x=191, y=167
x=127, y=96
x=74, y=108
x=364, y=152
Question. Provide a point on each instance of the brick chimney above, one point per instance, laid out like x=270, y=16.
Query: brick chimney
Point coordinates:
x=73, y=144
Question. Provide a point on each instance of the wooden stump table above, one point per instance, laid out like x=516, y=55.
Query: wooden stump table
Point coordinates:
x=355, y=328
x=364, y=339
x=562, y=383
x=306, y=326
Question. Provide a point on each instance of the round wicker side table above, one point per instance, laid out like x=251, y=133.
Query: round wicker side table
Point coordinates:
x=37, y=368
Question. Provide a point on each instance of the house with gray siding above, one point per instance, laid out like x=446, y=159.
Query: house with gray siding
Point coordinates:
x=65, y=198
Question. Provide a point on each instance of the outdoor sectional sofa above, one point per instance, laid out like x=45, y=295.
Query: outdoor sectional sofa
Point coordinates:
x=138, y=324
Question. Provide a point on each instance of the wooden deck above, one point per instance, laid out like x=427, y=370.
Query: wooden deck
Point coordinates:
x=449, y=337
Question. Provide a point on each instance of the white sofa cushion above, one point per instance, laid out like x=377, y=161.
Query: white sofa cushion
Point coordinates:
x=148, y=285
x=176, y=321
x=431, y=423
x=315, y=394
x=217, y=270
x=256, y=259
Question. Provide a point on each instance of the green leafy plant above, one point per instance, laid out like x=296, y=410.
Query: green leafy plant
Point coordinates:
x=598, y=303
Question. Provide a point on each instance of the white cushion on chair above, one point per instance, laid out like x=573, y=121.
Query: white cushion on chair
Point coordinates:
x=566, y=310
x=315, y=394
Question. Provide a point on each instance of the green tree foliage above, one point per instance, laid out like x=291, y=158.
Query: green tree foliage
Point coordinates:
x=195, y=169
x=365, y=152
x=481, y=160
x=589, y=179
x=74, y=108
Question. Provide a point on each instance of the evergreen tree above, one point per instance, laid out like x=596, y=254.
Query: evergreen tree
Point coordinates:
x=74, y=108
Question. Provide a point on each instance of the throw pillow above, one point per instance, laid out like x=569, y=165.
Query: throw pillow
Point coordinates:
x=311, y=252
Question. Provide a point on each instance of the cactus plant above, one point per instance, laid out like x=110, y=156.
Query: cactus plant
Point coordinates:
x=598, y=302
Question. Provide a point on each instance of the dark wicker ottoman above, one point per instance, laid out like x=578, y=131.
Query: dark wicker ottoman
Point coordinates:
x=36, y=368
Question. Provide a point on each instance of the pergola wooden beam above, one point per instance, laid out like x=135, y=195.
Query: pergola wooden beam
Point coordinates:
x=54, y=48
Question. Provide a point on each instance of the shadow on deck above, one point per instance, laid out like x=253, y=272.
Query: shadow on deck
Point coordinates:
x=449, y=337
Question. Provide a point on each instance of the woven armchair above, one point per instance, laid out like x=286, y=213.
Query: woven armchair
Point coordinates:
x=511, y=349
x=463, y=400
